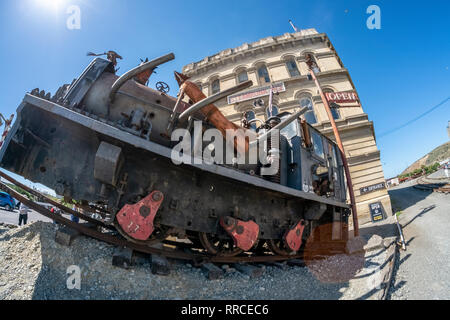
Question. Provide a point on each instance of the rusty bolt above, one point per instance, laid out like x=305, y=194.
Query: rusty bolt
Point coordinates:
x=157, y=196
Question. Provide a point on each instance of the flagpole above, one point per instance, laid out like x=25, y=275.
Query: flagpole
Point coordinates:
x=294, y=27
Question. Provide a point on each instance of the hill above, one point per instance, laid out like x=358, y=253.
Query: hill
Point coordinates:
x=438, y=154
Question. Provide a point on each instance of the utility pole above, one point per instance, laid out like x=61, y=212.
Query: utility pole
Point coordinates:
x=341, y=148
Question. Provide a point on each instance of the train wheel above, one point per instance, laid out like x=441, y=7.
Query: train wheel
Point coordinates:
x=216, y=246
x=278, y=247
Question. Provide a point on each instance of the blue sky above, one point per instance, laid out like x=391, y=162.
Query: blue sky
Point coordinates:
x=399, y=71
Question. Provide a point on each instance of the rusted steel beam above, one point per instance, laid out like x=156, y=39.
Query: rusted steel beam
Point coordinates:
x=8, y=123
x=214, y=116
x=341, y=148
x=213, y=98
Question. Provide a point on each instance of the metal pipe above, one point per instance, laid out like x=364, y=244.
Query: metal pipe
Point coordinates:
x=133, y=72
x=254, y=120
x=282, y=124
x=214, y=98
x=174, y=112
x=341, y=148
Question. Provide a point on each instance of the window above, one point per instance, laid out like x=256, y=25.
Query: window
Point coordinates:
x=250, y=115
x=215, y=86
x=242, y=76
x=312, y=64
x=334, y=155
x=335, y=113
x=292, y=68
x=334, y=108
x=318, y=144
x=263, y=75
x=291, y=129
x=309, y=115
x=274, y=111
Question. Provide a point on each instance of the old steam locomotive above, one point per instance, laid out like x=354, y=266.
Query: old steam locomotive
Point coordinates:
x=107, y=142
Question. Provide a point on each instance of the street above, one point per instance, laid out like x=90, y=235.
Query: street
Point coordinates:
x=9, y=217
x=422, y=271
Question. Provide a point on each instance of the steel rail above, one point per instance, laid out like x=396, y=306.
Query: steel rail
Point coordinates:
x=54, y=203
x=122, y=242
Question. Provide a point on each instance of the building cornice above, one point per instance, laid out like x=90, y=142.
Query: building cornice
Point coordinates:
x=269, y=43
x=348, y=123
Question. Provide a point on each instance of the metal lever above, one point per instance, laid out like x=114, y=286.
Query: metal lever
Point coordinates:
x=133, y=72
x=214, y=98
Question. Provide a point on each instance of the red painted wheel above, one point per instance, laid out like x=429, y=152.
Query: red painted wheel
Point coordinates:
x=216, y=246
x=278, y=247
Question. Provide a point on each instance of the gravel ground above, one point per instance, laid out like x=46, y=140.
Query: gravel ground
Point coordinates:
x=422, y=271
x=34, y=266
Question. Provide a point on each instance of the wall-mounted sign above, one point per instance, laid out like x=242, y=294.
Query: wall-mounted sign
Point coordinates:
x=372, y=188
x=256, y=93
x=377, y=211
x=342, y=97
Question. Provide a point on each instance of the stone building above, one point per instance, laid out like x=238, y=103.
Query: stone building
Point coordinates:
x=282, y=61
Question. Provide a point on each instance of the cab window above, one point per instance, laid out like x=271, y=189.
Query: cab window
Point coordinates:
x=317, y=143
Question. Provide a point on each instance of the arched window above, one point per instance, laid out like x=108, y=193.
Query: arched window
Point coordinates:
x=292, y=68
x=242, y=76
x=274, y=111
x=263, y=74
x=312, y=63
x=215, y=86
x=250, y=115
x=309, y=115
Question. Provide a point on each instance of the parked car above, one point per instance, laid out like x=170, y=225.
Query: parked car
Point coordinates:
x=6, y=201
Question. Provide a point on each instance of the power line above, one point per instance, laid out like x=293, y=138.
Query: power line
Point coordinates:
x=415, y=119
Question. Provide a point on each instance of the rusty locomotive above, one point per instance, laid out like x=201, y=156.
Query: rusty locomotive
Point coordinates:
x=105, y=141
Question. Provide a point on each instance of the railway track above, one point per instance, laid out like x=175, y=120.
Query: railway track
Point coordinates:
x=435, y=187
x=175, y=250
